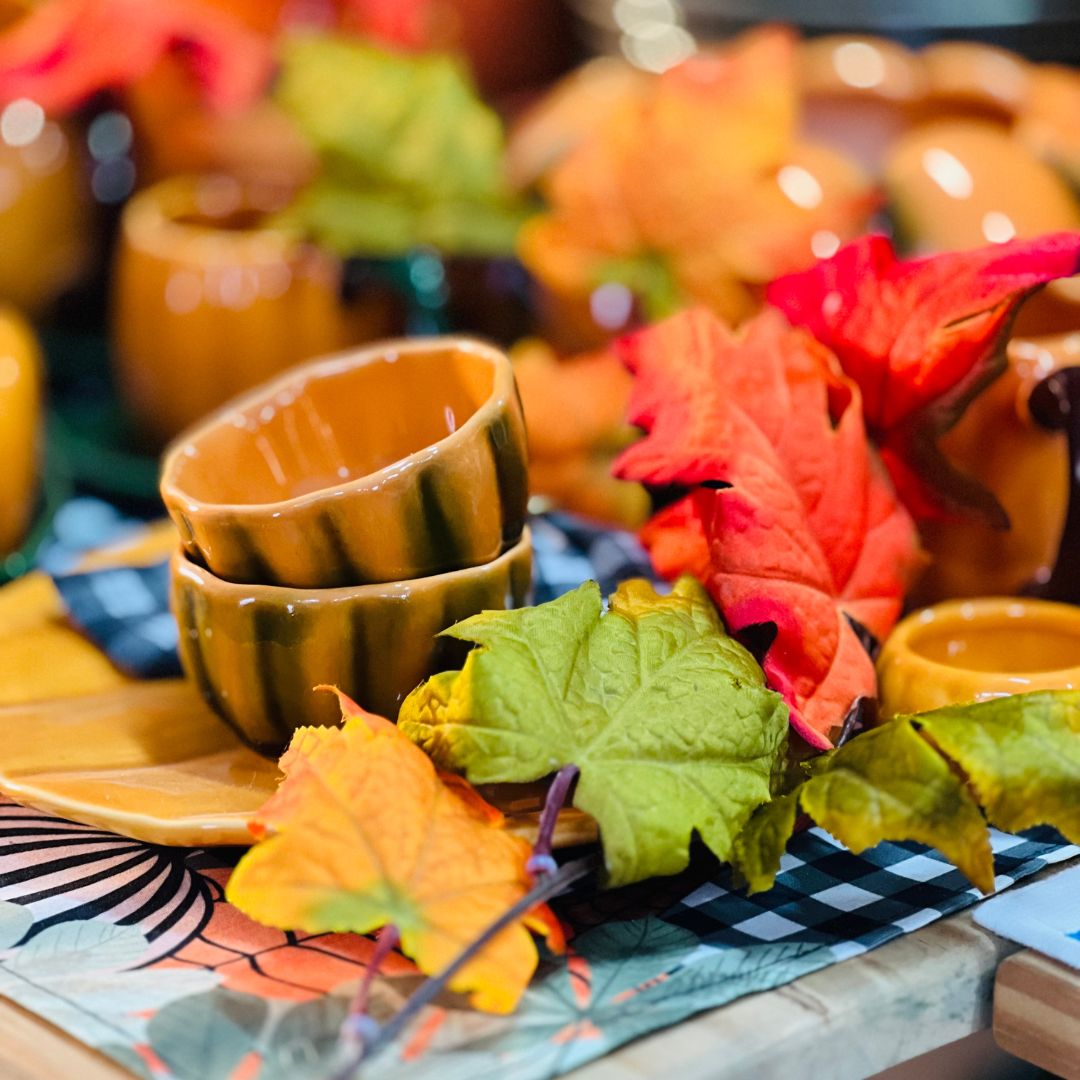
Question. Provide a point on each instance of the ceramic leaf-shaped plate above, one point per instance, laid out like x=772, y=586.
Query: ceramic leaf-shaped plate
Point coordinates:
x=151, y=761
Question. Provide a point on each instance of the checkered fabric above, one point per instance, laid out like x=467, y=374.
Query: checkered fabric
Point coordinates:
x=568, y=550
x=125, y=611
x=825, y=895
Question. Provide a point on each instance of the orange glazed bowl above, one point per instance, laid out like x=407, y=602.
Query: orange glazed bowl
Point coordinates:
x=399, y=461
x=256, y=651
x=973, y=650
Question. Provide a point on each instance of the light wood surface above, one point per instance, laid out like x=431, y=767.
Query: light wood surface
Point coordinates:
x=928, y=989
x=1037, y=1012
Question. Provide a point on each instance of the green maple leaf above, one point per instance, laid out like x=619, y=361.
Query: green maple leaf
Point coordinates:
x=409, y=152
x=667, y=718
x=932, y=778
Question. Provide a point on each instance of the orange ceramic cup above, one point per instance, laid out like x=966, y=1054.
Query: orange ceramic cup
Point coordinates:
x=972, y=650
x=208, y=300
x=256, y=651
x=398, y=461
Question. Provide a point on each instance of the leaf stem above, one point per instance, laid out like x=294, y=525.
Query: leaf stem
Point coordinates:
x=542, y=861
x=358, y=1027
x=549, y=886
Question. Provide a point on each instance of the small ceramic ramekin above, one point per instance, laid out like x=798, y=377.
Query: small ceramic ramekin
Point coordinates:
x=399, y=461
x=256, y=651
x=971, y=650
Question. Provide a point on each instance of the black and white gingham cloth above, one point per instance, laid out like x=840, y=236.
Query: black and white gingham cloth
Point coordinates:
x=825, y=895
x=125, y=612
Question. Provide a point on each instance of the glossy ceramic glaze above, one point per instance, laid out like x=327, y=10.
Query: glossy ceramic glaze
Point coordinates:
x=152, y=762
x=46, y=220
x=1048, y=123
x=256, y=651
x=858, y=93
x=391, y=463
x=958, y=184
x=148, y=760
x=971, y=650
x=20, y=416
x=974, y=79
x=1026, y=468
x=209, y=301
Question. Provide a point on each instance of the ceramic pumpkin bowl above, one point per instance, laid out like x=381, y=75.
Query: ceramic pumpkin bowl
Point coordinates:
x=256, y=651
x=972, y=650
x=209, y=299
x=395, y=462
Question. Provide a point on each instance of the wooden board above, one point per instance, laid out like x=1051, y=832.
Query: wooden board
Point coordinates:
x=1037, y=1012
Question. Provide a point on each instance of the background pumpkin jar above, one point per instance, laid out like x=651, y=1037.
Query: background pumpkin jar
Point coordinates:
x=210, y=298
x=20, y=415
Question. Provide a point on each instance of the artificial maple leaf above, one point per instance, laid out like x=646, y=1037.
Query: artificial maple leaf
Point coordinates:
x=799, y=527
x=364, y=832
x=667, y=719
x=921, y=337
x=696, y=187
x=926, y=777
x=65, y=51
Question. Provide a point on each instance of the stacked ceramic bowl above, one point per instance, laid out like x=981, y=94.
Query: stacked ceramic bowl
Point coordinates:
x=334, y=521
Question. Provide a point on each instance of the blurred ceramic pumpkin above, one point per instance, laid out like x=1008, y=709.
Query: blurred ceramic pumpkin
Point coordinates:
x=1025, y=466
x=20, y=412
x=209, y=299
x=46, y=223
x=959, y=183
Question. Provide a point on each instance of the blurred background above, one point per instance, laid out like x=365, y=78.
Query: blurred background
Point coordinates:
x=196, y=194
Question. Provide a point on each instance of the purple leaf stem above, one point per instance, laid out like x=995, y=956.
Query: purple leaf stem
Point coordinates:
x=541, y=861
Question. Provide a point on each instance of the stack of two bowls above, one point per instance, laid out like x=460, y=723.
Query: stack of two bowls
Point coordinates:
x=334, y=521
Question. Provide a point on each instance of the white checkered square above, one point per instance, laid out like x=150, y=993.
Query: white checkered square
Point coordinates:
x=703, y=894
x=917, y=919
x=846, y=897
x=160, y=630
x=1000, y=841
x=845, y=950
x=790, y=862
x=768, y=926
x=122, y=595
x=920, y=868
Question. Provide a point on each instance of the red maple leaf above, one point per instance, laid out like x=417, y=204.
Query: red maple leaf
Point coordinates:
x=65, y=51
x=790, y=520
x=921, y=338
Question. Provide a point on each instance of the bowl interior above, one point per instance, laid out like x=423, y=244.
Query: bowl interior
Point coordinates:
x=1030, y=644
x=339, y=423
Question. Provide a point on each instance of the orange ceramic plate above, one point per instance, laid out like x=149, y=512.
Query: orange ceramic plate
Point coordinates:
x=151, y=761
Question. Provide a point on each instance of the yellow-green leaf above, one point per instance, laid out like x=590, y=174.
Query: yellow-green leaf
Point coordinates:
x=760, y=846
x=1021, y=757
x=925, y=777
x=890, y=784
x=667, y=718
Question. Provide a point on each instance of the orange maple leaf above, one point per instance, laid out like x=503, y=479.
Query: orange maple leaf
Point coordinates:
x=700, y=172
x=364, y=832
